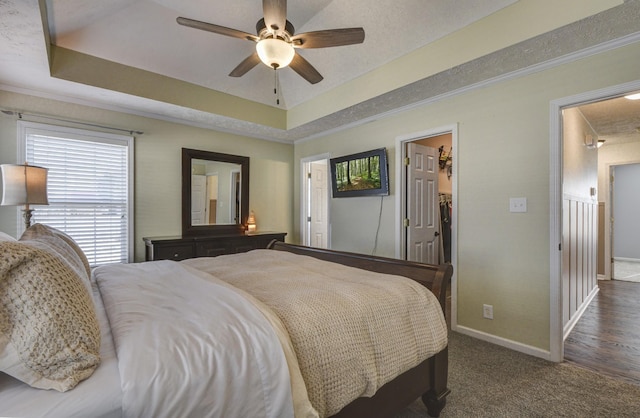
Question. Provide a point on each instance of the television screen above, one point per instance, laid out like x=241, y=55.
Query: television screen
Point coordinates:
x=361, y=174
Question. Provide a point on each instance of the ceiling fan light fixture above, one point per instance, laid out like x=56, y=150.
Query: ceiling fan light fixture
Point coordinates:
x=275, y=52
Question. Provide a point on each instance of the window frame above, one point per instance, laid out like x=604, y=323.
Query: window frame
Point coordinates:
x=25, y=128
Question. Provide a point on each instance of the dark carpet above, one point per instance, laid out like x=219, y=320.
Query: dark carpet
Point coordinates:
x=487, y=380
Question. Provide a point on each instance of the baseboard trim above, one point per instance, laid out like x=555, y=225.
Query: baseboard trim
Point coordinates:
x=573, y=321
x=504, y=342
x=630, y=260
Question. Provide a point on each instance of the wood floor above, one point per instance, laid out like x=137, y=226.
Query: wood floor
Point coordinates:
x=607, y=337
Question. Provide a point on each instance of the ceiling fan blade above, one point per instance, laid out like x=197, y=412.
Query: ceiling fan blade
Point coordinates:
x=327, y=38
x=306, y=70
x=275, y=14
x=221, y=30
x=247, y=64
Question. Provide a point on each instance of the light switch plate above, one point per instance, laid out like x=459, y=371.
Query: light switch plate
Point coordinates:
x=517, y=204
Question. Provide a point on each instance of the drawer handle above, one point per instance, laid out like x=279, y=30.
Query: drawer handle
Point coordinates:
x=175, y=255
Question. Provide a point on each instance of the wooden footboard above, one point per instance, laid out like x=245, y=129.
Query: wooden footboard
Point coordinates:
x=427, y=380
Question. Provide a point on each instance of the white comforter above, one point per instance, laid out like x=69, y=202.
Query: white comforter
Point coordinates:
x=188, y=345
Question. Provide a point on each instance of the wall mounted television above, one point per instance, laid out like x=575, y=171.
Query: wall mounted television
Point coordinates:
x=362, y=174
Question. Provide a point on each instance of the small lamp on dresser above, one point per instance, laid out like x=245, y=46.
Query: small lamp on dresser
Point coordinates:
x=24, y=184
x=251, y=223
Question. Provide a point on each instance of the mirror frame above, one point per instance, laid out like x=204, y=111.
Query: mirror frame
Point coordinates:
x=192, y=230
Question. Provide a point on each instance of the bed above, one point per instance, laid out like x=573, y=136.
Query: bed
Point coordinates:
x=279, y=332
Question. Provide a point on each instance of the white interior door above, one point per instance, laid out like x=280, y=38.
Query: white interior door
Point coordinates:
x=315, y=226
x=423, y=230
x=318, y=224
x=198, y=199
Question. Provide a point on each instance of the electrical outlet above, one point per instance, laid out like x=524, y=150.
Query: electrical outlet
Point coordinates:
x=487, y=311
x=517, y=204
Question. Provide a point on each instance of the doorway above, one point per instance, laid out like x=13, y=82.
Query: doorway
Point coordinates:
x=212, y=198
x=603, y=338
x=624, y=222
x=615, y=147
x=423, y=200
x=314, y=211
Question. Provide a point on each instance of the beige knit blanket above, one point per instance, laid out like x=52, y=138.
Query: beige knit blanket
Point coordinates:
x=352, y=330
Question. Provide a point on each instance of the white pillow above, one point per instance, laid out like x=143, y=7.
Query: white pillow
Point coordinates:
x=6, y=237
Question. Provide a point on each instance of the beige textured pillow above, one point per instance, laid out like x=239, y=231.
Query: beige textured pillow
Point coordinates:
x=57, y=242
x=49, y=332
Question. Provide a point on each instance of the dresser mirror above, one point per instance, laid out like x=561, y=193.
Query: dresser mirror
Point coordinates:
x=215, y=193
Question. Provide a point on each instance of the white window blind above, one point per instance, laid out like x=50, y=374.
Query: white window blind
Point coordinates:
x=88, y=187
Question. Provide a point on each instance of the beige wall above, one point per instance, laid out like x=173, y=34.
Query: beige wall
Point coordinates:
x=580, y=163
x=158, y=165
x=503, y=151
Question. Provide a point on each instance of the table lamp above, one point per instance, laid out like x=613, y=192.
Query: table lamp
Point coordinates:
x=251, y=223
x=24, y=185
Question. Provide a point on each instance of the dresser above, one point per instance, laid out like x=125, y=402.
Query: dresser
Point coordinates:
x=180, y=248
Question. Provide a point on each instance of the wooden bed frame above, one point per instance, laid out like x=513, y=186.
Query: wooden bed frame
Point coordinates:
x=427, y=380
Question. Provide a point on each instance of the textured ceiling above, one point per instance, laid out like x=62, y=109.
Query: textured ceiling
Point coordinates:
x=615, y=121
x=143, y=34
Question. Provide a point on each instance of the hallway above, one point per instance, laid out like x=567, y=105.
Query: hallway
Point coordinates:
x=607, y=337
x=626, y=270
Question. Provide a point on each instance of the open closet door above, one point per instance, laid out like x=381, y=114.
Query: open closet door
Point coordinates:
x=423, y=231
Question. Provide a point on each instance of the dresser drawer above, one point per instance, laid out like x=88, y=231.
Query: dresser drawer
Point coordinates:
x=175, y=252
x=212, y=248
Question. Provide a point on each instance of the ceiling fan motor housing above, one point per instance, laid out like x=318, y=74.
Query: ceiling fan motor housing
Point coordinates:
x=261, y=27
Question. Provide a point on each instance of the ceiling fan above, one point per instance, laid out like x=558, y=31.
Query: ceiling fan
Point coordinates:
x=276, y=41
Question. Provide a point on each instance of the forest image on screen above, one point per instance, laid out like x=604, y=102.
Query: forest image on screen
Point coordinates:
x=358, y=174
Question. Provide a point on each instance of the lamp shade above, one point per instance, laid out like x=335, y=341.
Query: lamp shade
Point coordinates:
x=275, y=52
x=23, y=185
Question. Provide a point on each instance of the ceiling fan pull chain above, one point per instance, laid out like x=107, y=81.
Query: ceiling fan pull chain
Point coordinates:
x=276, y=86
